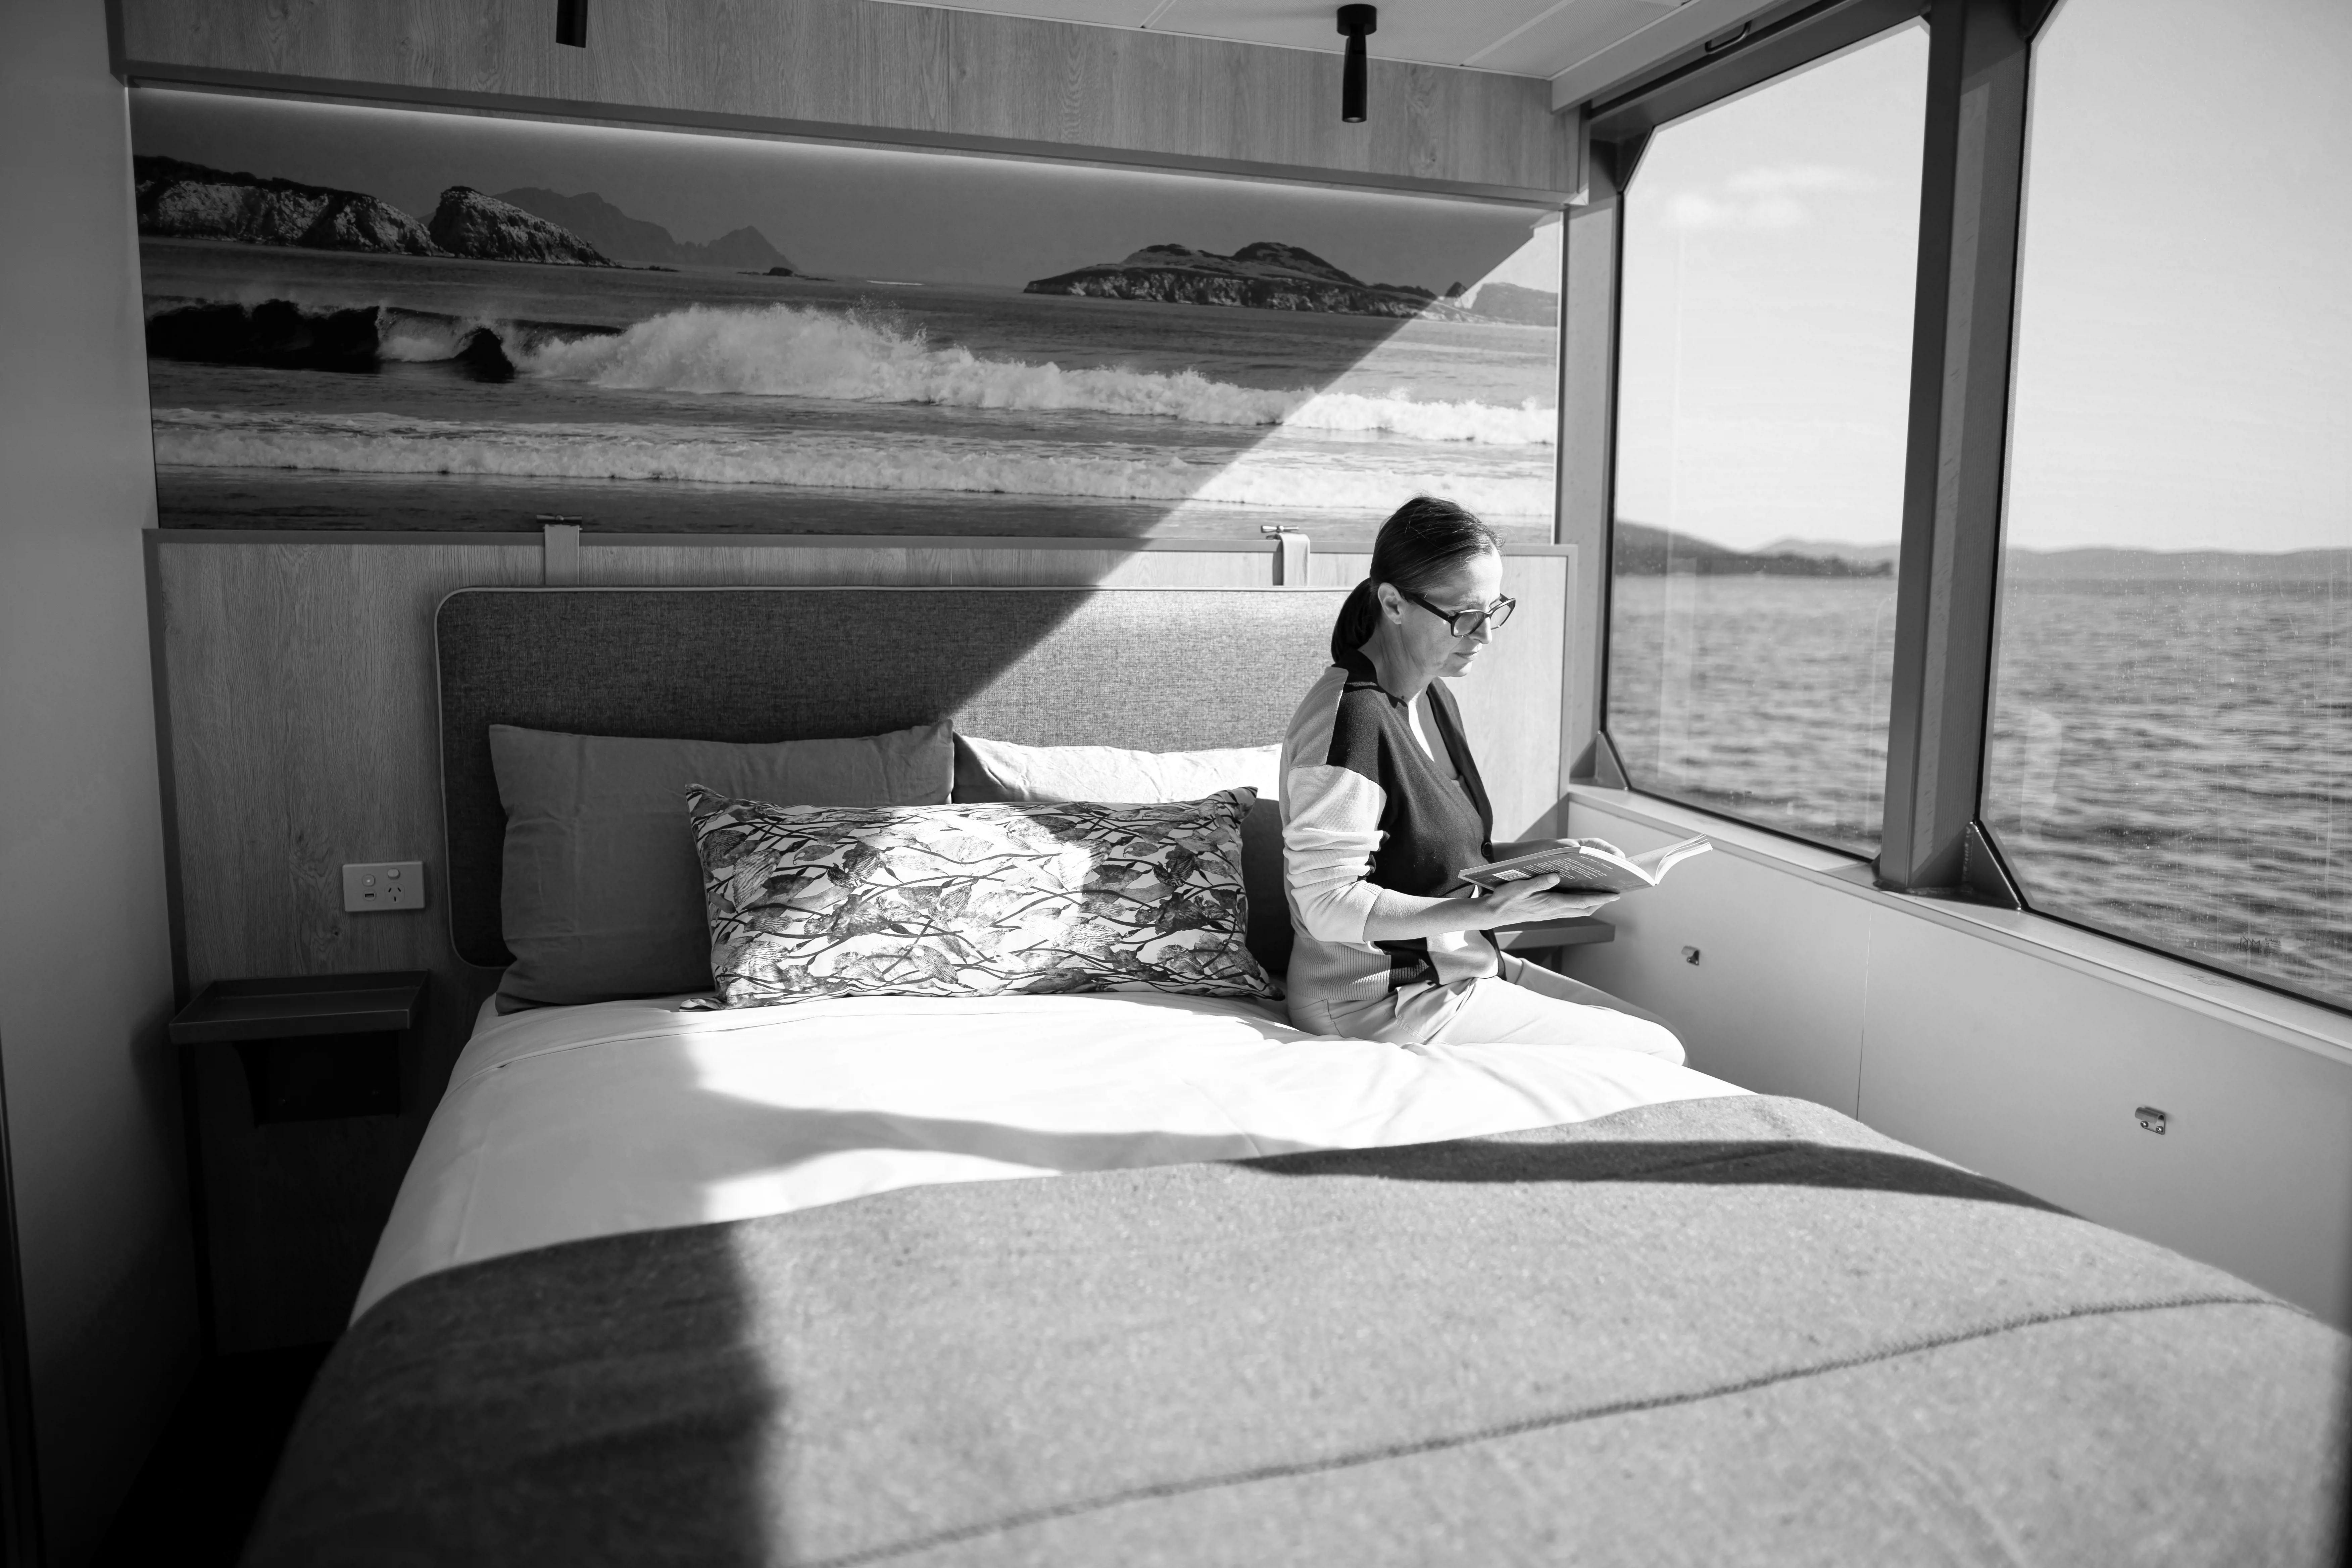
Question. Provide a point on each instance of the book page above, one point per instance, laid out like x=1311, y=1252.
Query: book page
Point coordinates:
x=1587, y=870
x=1658, y=862
x=1580, y=870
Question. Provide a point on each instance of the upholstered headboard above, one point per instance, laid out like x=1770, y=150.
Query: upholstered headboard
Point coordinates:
x=1156, y=668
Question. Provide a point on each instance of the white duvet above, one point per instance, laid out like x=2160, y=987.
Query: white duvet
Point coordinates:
x=570, y=1122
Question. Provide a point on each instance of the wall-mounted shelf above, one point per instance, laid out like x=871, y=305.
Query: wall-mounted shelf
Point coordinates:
x=296, y=1143
x=314, y=1046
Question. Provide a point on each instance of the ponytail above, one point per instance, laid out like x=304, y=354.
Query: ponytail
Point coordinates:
x=1359, y=619
x=1423, y=542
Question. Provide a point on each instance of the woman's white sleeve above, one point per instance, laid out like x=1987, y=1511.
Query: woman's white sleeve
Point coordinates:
x=1331, y=828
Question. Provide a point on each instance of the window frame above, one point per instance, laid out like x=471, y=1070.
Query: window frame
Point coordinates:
x=1957, y=437
x=1934, y=842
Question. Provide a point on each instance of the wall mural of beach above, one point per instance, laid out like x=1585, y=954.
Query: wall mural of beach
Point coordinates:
x=384, y=319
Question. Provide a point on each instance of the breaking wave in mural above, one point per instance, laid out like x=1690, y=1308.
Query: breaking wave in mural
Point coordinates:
x=785, y=350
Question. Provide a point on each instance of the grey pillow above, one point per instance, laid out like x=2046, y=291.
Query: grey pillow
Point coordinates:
x=601, y=896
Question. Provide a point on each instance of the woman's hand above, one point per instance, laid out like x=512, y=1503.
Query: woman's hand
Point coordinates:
x=1401, y=917
x=1515, y=904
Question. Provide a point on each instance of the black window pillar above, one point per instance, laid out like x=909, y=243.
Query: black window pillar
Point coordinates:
x=1961, y=333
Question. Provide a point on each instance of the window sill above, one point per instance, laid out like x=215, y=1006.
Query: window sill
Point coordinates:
x=2308, y=1024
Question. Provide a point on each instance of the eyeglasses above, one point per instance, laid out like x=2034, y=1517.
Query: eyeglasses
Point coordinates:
x=1463, y=623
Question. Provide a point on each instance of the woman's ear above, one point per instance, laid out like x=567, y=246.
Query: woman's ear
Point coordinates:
x=1392, y=603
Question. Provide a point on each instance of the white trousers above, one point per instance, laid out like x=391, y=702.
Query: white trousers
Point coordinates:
x=1525, y=1004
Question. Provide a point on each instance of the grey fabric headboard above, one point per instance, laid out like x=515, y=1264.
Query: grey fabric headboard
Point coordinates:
x=1156, y=668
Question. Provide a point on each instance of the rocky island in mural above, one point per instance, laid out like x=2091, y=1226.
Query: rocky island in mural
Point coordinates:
x=383, y=319
x=484, y=228
x=1264, y=275
x=179, y=200
x=1267, y=275
x=1500, y=301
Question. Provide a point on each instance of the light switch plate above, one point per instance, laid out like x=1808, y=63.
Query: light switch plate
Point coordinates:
x=383, y=885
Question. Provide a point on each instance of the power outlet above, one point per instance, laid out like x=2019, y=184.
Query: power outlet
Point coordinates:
x=383, y=885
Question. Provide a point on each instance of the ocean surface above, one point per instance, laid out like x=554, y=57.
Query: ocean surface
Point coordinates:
x=2171, y=761
x=1764, y=695
x=709, y=400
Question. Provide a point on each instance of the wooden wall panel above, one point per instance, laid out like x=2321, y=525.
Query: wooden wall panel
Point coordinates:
x=893, y=73
x=299, y=699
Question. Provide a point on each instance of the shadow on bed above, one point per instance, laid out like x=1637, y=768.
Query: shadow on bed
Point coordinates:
x=1517, y=1158
x=1522, y=1157
x=487, y=1414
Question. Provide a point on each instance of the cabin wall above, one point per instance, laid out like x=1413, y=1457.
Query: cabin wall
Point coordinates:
x=304, y=733
x=2003, y=1041
x=861, y=70
x=85, y=961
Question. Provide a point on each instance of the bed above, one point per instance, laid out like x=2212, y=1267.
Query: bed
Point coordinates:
x=1121, y=1277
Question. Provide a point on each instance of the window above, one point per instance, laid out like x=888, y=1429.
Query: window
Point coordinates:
x=2171, y=747
x=1770, y=253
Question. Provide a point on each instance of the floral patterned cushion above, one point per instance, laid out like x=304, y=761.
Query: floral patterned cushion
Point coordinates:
x=974, y=900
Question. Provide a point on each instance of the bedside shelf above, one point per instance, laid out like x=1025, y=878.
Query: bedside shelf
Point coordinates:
x=314, y=1046
x=295, y=1140
x=303, y=1004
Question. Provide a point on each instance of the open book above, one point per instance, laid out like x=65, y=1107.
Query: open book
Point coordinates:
x=1585, y=869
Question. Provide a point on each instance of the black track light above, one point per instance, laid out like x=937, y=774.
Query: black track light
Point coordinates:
x=571, y=23
x=1355, y=21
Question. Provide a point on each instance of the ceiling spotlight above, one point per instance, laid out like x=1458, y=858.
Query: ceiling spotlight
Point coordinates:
x=1355, y=21
x=571, y=23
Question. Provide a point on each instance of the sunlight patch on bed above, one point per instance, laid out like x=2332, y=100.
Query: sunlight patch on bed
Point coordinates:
x=851, y=1174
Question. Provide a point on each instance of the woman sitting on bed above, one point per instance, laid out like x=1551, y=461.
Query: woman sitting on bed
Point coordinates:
x=1382, y=809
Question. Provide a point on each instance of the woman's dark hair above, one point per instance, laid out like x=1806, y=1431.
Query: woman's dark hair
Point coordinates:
x=1419, y=545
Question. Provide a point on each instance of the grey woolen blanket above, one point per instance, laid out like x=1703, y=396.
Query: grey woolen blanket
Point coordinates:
x=1718, y=1331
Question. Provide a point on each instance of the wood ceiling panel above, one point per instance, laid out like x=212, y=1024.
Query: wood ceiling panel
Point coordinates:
x=847, y=69
x=1518, y=37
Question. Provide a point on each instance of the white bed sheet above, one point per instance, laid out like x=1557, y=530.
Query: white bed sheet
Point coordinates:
x=569, y=1122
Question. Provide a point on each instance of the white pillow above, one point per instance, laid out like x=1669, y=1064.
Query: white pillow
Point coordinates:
x=1111, y=774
